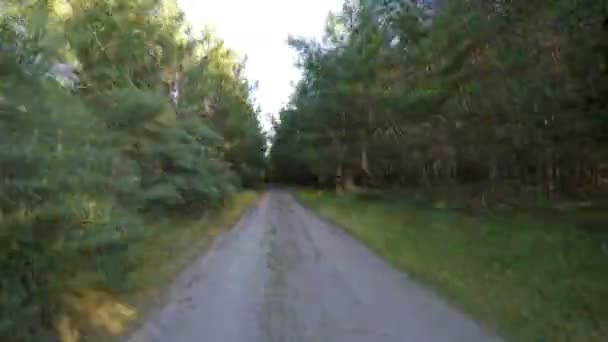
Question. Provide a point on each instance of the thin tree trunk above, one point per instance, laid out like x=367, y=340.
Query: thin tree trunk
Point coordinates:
x=339, y=178
x=425, y=177
x=349, y=183
x=365, y=161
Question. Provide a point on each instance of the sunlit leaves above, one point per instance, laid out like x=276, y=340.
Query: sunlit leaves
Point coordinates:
x=80, y=163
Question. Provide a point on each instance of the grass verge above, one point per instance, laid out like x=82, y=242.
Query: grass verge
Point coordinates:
x=171, y=244
x=528, y=278
x=168, y=246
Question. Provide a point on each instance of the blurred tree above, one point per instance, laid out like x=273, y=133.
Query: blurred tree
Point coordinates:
x=491, y=92
x=107, y=108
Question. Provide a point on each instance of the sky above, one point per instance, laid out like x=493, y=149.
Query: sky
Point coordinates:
x=259, y=30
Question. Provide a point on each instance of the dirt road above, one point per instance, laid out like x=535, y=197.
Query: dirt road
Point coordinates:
x=283, y=274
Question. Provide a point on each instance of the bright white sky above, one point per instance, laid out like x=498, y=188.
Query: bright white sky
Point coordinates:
x=259, y=29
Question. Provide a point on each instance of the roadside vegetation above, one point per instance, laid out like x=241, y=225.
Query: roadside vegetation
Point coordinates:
x=115, y=120
x=469, y=141
x=530, y=276
x=164, y=251
x=169, y=244
x=503, y=99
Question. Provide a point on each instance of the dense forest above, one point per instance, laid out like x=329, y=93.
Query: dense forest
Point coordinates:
x=113, y=112
x=109, y=111
x=506, y=99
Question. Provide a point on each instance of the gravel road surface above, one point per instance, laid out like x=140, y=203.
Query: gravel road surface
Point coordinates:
x=285, y=275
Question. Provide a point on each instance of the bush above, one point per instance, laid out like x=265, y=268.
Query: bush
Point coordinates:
x=81, y=159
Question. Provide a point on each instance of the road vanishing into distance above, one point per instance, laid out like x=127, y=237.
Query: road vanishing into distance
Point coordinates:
x=282, y=274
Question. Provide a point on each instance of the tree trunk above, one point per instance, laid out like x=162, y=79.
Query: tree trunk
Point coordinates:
x=550, y=184
x=425, y=176
x=365, y=161
x=339, y=179
x=349, y=183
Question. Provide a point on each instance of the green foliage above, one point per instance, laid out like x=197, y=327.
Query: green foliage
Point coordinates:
x=52, y=222
x=483, y=91
x=129, y=108
x=82, y=159
x=186, y=172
